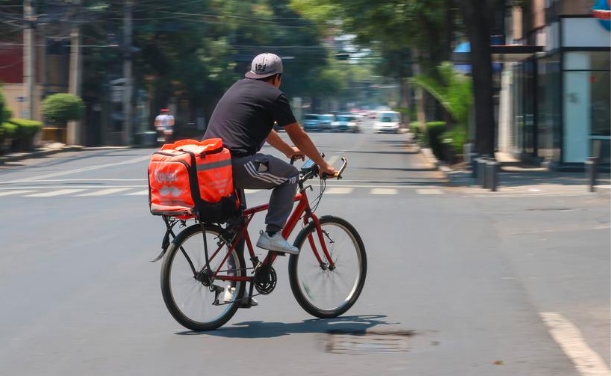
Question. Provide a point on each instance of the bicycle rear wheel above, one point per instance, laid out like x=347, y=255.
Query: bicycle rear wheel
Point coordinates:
x=320, y=291
x=193, y=294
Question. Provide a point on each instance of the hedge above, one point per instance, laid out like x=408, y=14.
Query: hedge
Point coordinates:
x=20, y=132
x=25, y=127
x=434, y=137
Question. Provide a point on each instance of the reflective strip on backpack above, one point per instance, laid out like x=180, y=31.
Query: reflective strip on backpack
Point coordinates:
x=210, y=166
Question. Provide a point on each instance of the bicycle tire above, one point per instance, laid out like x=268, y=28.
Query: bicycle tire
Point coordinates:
x=319, y=303
x=189, y=245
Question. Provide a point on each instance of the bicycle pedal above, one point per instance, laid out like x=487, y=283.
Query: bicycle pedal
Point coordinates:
x=279, y=253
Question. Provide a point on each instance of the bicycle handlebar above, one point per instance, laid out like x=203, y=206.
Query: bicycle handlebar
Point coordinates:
x=310, y=170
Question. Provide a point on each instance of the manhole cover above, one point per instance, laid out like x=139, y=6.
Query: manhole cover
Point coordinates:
x=341, y=342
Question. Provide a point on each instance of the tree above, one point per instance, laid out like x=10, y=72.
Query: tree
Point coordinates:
x=394, y=30
x=59, y=109
x=476, y=15
x=453, y=90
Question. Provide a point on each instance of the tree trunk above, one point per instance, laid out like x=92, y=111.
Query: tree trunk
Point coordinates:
x=405, y=100
x=476, y=16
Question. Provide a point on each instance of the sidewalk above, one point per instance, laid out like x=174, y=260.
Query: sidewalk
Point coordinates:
x=49, y=149
x=516, y=178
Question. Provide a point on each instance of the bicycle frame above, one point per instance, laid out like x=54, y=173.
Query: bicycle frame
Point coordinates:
x=301, y=211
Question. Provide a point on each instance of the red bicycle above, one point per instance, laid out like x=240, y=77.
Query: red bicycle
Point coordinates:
x=326, y=277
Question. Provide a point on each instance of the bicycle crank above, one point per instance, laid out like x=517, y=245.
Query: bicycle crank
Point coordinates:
x=265, y=279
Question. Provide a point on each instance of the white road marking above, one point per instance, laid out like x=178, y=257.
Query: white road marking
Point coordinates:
x=106, y=190
x=92, y=179
x=55, y=193
x=587, y=361
x=383, y=191
x=15, y=192
x=103, y=192
x=338, y=191
x=76, y=171
x=431, y=191
x=139, y=193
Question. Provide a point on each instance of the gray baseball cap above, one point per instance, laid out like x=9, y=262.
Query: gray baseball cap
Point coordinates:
x=264, y=65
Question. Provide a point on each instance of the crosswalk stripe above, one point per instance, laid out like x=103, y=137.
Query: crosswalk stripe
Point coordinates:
x=432, y=191
x=55, y=193
x=88, y=192
x=338, y=191
x=384, y=191
x=16, y=192
x=139, y=193
x=104, y=192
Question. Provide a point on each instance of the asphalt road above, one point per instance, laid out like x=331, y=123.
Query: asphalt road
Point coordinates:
x=458, y=283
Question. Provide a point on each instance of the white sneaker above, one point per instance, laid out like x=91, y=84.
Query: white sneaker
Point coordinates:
x=276, y=243
x=230, y=292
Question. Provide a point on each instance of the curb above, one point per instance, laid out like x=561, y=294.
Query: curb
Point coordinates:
x=430, y=157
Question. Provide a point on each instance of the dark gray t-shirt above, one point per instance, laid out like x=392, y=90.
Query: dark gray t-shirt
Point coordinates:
x=245, y=115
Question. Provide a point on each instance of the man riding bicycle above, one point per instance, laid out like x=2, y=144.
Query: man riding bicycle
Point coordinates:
x=244, y=119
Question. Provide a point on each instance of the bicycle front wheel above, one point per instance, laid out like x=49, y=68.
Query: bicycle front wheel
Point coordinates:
x=320, y=290
x=193, y=293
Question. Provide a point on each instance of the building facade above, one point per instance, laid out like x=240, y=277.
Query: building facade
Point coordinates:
x=557, y=102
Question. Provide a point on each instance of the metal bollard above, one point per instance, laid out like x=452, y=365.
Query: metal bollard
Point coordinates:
x=473, y=164
x=492, y=175
x=481, y=172
x=592, y=172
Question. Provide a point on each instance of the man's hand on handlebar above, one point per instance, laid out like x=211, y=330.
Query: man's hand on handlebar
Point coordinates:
x=327, y=169
x=295, y=154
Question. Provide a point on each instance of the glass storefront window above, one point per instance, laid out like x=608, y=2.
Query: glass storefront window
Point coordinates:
x=587, y=60
x=600, y=102
x=587, y=98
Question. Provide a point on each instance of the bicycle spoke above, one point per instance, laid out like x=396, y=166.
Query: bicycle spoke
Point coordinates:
x=192, y=297
x=328, y=291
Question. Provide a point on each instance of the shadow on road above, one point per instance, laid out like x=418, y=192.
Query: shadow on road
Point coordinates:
x=259, y=329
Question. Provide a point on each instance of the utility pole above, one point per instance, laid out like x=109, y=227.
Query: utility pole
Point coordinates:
x=29, y=45
x=74, y=127
x=127, y=73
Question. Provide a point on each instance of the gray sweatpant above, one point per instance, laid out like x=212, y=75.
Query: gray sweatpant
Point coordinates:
x=262, y=171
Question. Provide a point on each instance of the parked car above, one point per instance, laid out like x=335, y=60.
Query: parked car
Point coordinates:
x=325, y=121
x=311, y=122
x=387, y=121
x=345, y=123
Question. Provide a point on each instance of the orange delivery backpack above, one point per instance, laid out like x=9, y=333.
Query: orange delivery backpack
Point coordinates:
x=192, y=178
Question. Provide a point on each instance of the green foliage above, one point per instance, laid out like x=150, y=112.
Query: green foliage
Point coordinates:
x=59, y=109
x=390, y=28
x=451, y=88
x=7, y=132
x=194, y=50
x=25, y=127
x=456, y=138
x=434, y=137
x=5, y=112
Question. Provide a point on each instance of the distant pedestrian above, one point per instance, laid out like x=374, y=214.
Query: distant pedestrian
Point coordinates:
x=164, y=123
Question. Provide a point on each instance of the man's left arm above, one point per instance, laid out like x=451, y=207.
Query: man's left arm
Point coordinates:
x=277, y=142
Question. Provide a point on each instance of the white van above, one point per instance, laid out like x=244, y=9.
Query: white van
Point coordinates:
x=387, y=122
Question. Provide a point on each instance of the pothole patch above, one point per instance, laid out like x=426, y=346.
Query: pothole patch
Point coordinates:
x=355, y=343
